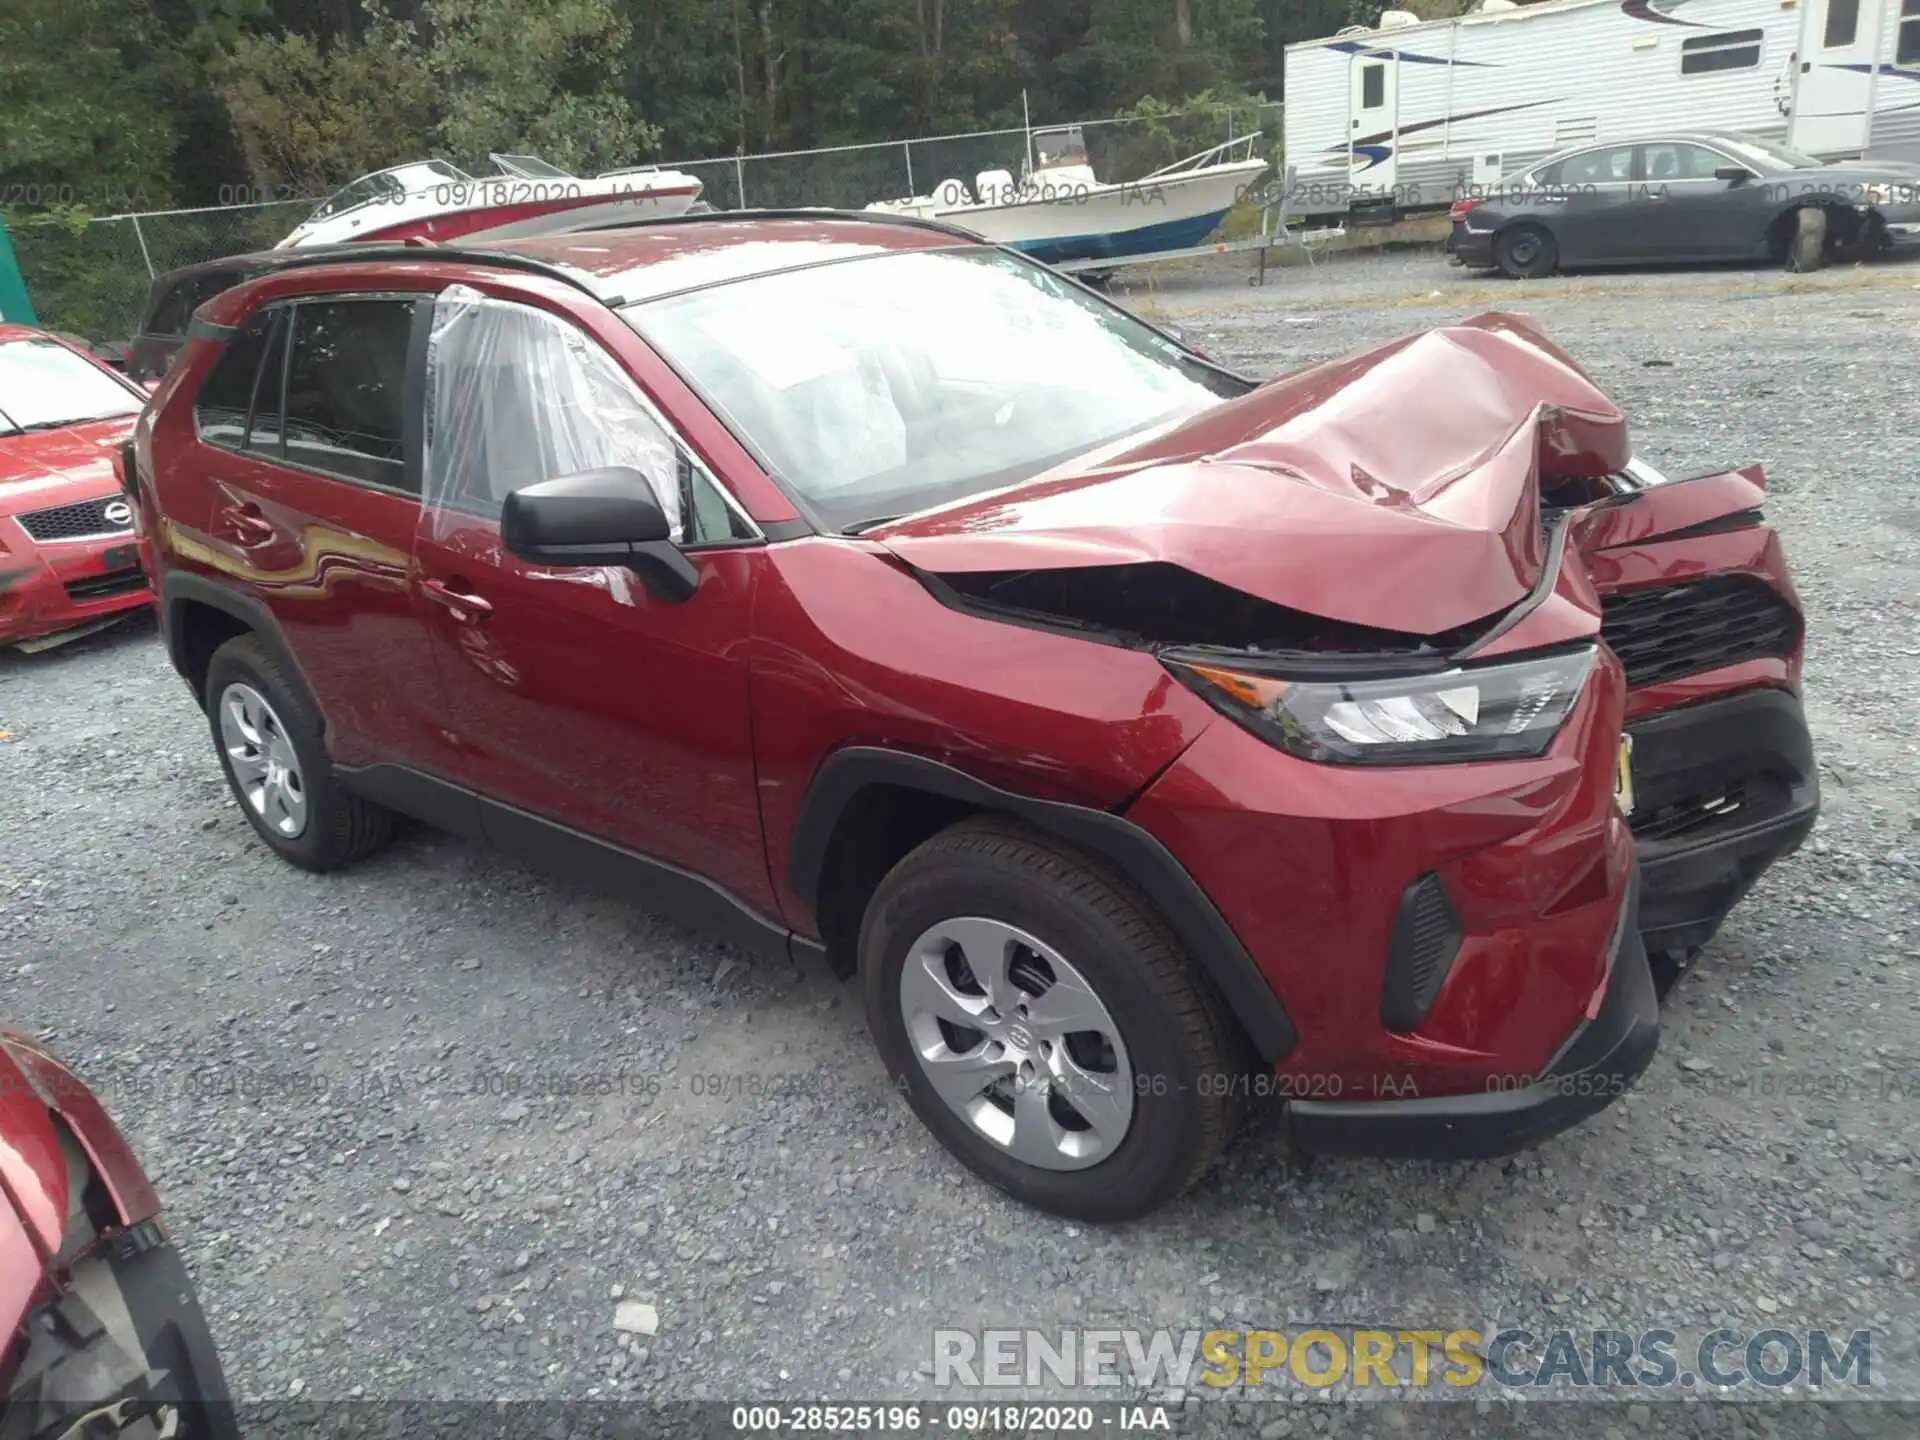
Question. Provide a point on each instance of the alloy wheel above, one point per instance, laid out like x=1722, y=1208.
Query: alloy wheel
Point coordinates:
x=265, y=768
x=1017, y=1043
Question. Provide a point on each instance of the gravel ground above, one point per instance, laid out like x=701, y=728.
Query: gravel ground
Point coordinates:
x=320, y=1072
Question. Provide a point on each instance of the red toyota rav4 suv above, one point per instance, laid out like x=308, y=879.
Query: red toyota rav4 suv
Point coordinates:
x=1149, y=741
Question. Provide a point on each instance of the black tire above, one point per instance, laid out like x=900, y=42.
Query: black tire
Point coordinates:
x=1807, y=251
x=1172, y=1020
x=1525, y=252
x=340, y=826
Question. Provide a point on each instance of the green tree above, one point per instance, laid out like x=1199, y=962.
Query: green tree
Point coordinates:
x=311, y=115
x=471, y=77
x=83, y=118
x=537, y=75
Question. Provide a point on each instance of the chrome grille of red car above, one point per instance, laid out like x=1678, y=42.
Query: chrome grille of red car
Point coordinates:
x=1674, y=630
x=75, y=522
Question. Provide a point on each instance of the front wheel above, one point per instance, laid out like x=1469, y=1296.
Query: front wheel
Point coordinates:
x=1808, y=251
x=1525, y=252
x=1045, y=1025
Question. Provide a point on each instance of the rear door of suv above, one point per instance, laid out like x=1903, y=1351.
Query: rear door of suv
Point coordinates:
x=309, y=504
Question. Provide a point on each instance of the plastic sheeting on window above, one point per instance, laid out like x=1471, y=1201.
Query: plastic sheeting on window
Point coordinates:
x=516, y=395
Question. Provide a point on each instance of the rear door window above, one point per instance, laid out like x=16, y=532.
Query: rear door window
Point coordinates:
x=1612, y=166
x=225, y=400
x=263, y=429
x=345, y=381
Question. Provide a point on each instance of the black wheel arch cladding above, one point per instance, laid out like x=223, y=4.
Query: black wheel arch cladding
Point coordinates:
x=1160, y=877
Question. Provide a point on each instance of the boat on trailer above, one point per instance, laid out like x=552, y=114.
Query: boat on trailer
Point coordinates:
x=1059, y=211
x=433, y=200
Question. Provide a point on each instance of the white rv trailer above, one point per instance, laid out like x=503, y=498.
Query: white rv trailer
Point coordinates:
x=1412, y=114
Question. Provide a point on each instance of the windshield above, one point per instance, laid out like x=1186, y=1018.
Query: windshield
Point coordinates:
x=363, y=191
x=1768, y=154
x=44, y=385
x=884, y=385
x=528, y=167
x=390, y=186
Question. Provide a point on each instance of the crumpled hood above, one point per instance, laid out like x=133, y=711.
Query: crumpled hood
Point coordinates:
x=58, y=467
x=1398, y=489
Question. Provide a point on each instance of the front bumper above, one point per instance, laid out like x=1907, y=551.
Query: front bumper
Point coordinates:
x=1596, y=1064
x=47, y=588
x=1724, y=788
x=127, y=1341
x=1422, y=927
x=1902, y=228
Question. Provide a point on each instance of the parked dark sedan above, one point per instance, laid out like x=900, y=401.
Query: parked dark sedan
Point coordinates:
x=1695, y=195
x=171, y=300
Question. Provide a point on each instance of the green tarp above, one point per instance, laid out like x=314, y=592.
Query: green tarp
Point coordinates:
x=14, y=304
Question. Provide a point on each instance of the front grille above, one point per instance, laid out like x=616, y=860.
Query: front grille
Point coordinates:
x=1676, y=630
x=1705, y=811
x=72, y=522
x=114, y=582
x=1426, y=937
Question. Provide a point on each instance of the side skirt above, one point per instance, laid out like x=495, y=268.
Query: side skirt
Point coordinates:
x=571, y=854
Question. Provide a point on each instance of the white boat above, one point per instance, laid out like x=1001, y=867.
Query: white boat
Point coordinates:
x=1060, y=211
x=433, y=200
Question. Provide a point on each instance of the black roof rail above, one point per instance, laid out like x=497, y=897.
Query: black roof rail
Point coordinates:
x=260, y=262
x=353, y=254
x=797, y=212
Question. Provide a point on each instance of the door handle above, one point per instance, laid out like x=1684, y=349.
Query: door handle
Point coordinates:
x=462, y=604
x=249, y=525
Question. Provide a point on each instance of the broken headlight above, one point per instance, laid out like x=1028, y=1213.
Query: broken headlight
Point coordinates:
x=1505, y=711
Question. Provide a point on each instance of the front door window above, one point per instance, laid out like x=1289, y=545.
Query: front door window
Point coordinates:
x=516, y=396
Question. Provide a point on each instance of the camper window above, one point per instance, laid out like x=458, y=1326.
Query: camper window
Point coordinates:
x=1843, y=23
x=1908, y=51
x=1373, y=87
x=1729, y=50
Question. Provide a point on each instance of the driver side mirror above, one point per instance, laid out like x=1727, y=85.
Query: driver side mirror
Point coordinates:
x=1733, y=174
x=598, y=517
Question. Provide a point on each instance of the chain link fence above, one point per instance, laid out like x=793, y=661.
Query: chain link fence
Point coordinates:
x=851, y=176
x=90, y=276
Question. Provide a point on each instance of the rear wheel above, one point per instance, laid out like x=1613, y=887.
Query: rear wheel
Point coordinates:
x=1525, y=252
x=1044, y=1024
x=270, y=747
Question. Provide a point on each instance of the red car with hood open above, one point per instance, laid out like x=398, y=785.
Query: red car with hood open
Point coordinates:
x=68, y=561
x=1149, y=741
x=100, y=1333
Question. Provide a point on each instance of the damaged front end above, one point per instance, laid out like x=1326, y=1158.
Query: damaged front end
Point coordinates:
x=102, y=1332
x=1411, y=557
